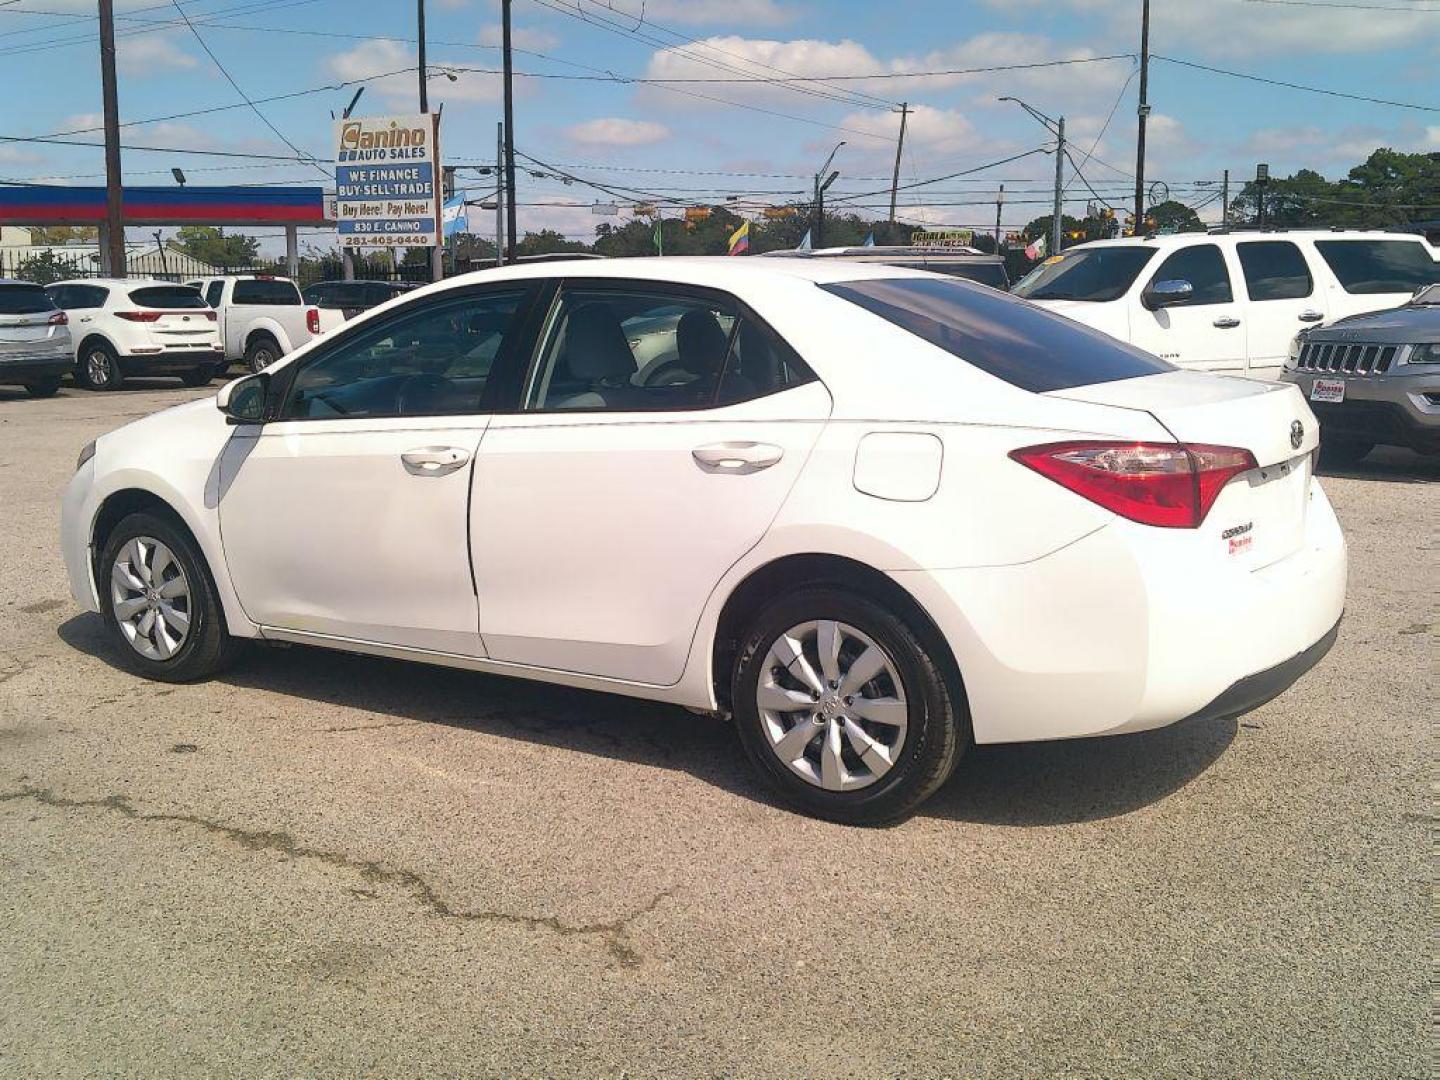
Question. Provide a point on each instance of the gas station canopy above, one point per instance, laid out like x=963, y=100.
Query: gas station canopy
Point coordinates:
x=57, y=205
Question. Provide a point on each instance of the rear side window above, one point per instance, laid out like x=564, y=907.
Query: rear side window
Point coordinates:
x=167, y=296
x=1025, y=345
x=1096, y=274
x=1274, y=270
x=260, y=291
x=213, y=292
x=24, y=300
x=1379, y=266
x=1203, y=267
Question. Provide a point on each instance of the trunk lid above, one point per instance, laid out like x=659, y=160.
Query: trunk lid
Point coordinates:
x=1260, y=516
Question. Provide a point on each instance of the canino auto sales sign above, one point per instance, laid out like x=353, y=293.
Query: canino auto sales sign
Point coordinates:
x=386, y=176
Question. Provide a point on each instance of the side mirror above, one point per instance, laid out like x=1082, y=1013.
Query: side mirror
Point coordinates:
x=1166, y=294
x=243, y=400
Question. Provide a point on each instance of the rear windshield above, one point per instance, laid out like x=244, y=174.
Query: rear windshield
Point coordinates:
x=24, y=300
x=345, y=294
x=1025, y=345
x=1379, y=266
x=168, y=296
x=258, y=291
x=1097, y=274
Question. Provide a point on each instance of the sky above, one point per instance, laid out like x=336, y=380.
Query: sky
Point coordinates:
x=757, y=135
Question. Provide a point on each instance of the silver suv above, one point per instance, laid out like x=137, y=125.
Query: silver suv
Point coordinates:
x=1373, y=379
x=35, y=348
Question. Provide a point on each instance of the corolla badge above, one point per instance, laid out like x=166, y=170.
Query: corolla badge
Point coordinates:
x=1297, y=434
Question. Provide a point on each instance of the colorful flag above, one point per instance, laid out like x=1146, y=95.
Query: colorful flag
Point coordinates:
x=804, y=244
x=453, y=216
x=869, y=239
x=1036, y=249
x=659, y=237
x=740, y=240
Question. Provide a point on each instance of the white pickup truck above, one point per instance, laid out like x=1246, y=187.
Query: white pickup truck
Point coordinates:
x=261, y=317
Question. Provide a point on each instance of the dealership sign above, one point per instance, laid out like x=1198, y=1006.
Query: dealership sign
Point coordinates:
x=387, y=172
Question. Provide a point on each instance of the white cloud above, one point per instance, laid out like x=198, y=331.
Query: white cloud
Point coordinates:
x=1432, y=136
x=521, y=37
x=617, y=131
x=13, y=155
x=940, y=131
x=398, y=91
x=151, y=54
x=699, y=12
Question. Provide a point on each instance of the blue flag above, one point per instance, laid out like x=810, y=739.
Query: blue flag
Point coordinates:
x=804, y=244
x=869, y=240
x=453, y=217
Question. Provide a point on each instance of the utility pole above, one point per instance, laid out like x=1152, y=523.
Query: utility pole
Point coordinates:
x=1142, y=113
x=435, y=254
x=1055, y=232
x=999, y=205
x=420, y=35
x=899, y=146
x=113, y=250
x=509, y=132
x=499, y=193
x=1225, y=199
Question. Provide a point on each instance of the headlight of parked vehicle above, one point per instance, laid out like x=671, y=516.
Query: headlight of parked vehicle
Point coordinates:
x=1426, y=354
x=85, y=455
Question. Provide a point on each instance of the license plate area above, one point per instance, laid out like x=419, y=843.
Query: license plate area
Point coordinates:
x=1327, y=390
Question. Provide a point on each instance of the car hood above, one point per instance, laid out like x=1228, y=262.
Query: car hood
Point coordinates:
x=1397, y=326
x=1106, y=316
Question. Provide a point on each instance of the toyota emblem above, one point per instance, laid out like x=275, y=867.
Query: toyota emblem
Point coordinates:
x=1297, y=434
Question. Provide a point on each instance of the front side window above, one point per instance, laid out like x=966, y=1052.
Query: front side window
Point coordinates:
x=167, y=296
x=1203, y=267
x=1021, y=343
x=1095, y=274
x=434, y=360
x=265, y=291
x=1379, y=266
x=1274, y=270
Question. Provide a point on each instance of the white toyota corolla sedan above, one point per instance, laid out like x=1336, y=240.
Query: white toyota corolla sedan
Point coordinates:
x=874, y=514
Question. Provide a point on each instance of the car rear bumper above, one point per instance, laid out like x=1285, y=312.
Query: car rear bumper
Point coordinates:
x=23, y=369
x=1126, y=630
x=176, y=360
x=1247, y=694
x=1398, y=408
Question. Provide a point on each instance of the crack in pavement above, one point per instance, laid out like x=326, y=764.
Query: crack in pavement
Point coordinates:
x=370, y=727
x=615, y=934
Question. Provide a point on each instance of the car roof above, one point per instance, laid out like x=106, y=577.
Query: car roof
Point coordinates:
x=18, y=281
x=113, y=281
x=1168, y=240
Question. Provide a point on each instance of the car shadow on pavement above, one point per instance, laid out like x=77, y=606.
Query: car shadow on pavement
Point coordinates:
x=1033, y=784
x=1390, y=463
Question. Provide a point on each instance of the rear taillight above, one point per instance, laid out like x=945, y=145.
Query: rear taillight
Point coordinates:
x=138, y=316
x=312, y=320
x=59, y=319
x=1170, y=485
x=210, y=315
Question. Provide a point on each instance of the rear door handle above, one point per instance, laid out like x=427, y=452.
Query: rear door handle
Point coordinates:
x=434, y=460
x=1310, y=316
x=1226, y=322
x=739, y=458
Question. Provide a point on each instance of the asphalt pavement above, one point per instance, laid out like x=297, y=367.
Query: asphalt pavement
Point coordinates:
x=332, y=866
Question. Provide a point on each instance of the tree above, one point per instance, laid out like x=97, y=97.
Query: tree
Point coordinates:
x=44, y=267
x=547, y=242
x=63, y=234
x=1040, y=226
x=211, y=245
x=1175, y=216
x=1388, y=188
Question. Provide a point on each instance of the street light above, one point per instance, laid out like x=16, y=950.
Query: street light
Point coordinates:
x=1056, y=128
x=179, y=176
x=820, y=187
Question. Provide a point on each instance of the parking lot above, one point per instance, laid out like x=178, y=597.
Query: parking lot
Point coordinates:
x=326, y=865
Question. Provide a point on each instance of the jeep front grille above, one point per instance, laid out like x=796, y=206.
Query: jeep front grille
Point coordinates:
x=1345, y=358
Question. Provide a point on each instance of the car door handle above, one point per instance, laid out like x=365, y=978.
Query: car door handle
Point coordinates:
x=1310, y=316
x=434, y=460
x=1226, y=322
x=736, y=457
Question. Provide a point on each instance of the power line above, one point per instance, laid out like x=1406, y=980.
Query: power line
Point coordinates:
x=949, y=176
x=204, y=18
x=1295, y=86
x=1349, y=7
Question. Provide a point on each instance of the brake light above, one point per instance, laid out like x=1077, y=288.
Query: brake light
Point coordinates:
x=1169, y=485
x=59, y=319
x=312, y=320
x=210, y=315
x=138, y=316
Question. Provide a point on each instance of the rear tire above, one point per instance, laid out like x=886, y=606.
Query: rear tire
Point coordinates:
x=165, y=631
x=198, y=377
x=261, y=352
x=42, y=388
x=99, y=368
x=1343, y=450
x=918, y=742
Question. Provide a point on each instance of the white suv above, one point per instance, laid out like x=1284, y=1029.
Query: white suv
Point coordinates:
x=1229, y=301
x=138, y=326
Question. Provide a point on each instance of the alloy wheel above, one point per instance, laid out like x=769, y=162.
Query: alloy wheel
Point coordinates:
x=98, y=367
x=151, y=598
x=832, y=705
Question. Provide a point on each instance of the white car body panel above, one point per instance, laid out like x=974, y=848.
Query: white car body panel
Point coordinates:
x=238, y=323
x=184, y=331
x=603, y=555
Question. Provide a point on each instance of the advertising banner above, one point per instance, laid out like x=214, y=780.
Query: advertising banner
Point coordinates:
x=387, y=181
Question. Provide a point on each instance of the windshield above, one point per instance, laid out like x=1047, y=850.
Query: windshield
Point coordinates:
x=1096, y=274
x=1022, y=343
x=24, y=300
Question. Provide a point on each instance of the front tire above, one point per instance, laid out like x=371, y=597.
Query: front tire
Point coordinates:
x=261, y=353
x=1340, y=451
x=198, y=377
x=845, y=707
x=160, y=601
x=43, y=388
x=99, y=367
